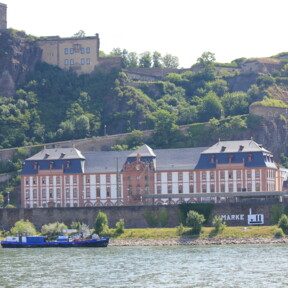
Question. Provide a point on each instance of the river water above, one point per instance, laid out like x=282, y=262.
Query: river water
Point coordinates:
x=166, y=266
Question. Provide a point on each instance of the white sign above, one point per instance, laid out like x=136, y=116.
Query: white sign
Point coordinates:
x=233, y=217
x=255, y=219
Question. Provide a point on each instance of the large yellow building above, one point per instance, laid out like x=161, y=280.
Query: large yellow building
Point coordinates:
x=78, y=54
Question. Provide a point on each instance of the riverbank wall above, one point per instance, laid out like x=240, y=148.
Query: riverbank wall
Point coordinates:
x=235, y=214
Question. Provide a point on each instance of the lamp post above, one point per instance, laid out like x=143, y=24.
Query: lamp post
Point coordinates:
x=8, y=198
x=105, y=130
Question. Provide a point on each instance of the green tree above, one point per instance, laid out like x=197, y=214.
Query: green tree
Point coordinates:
x=157, y=60
x=23, y=226
x=145, y=60
x=195, y=221
x=101, y=223
x=79, y=34
x=52, y=230
x=218, y=224
x=276, y=212
x=236, y=103
x=210, y=107
x=120, y=226
x=170, y=61
x=283, y=223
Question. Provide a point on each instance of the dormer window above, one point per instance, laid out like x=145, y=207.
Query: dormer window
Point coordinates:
x=223, y=148
x=212, y=159
x=249, y=158
x=47, y=155
x=67, y=164
x=51, y=164
x=62, y=155
x=35, y=165
x=241, y=147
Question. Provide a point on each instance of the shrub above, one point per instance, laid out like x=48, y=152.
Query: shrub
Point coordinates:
x=276, y=213
x=151, y=218
x=163, y=218
x=278, y=232
x=195, y=221
x=23, y=227
x=180, y=229
x=120, y=226
x=52, y=230
x=101, y=223
x=218, y=224
x=283, y=223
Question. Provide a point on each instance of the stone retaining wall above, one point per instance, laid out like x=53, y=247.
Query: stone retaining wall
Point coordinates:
x=133, y=215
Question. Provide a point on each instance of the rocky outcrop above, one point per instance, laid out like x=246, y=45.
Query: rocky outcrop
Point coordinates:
x=18, y=56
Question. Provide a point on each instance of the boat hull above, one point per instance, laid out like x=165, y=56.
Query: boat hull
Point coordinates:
x=94, y=243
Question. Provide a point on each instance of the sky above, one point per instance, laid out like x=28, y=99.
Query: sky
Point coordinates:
x=230, y=29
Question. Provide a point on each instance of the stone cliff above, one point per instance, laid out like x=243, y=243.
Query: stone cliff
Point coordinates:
x=18, y=56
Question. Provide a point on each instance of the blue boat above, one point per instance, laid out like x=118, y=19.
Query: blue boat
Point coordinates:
x=61, y=242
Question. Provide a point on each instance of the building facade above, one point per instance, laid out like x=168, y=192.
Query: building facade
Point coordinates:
x=80, y=54
x=65, y=177
x=3, y=16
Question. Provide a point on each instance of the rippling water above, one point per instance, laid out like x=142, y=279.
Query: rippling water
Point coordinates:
x=179, y=266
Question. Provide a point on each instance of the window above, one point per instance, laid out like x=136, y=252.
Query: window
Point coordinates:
x=180, y=189
x=169, y=176
x=44, y=193
x=230, y=158
x=222, y=188
x=71, y=61
x=222, y=175
x=230, y=175
x=27, y=181
x=249, y=187
x=97, y=178
x=249, y=157
x=158, y=177
x=249, y=174
x=34, y=181
x=66, y=62
x=98, y=194
x=58, y=193
x=88, y=50
x=58, y=180
x=130, y=190
x=257, y=187
x=50, y=180
x=212, y=175
x=238, y=174
x=34, y=193
x=257, y=173
x=191, y=189
x=203, y=175
x=169, y=189
x=66, y=51
x=239, y=188
x=159, y=189
x=27, y=194
x=43, y=180
x=230, y=187
x=88, y=193
x=212, y=188
x=68, y=164
x=35, y=165
x=87, y=179
x=88, y=61
x=67, y=193
x=51, y=164
x=191, y=176
x=138, y=189
x=212, y=159
x=75, y=192
x=74, y=179
x=204, y=188
x=67, y=180
x=82, y=61
x=71, y=50
x=82, y=50
x=108, y=179
x=180, y=176
x=50, y=193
